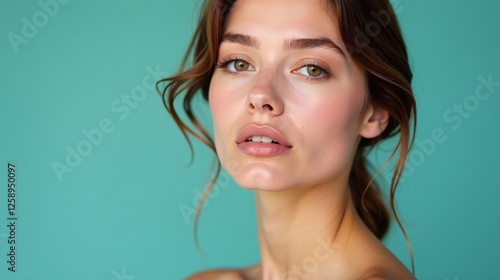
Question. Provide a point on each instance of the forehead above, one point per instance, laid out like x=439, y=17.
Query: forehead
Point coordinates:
x=282, y=18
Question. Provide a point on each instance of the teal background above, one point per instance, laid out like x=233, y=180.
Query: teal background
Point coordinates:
x=116, y=214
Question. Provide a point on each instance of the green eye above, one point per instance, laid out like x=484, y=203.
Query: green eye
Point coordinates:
x=240, y=65
x=314, y=71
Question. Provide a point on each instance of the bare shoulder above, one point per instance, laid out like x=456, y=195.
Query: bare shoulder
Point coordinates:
x=225, y=274
x=377, y=262
x=375, y=277
x=387, y=267
x=217, y=274
x=388, y=276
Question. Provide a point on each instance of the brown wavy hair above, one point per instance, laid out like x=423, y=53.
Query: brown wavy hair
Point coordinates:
x=373, y=38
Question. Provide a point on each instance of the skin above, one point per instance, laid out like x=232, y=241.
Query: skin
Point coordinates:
x=315, y=96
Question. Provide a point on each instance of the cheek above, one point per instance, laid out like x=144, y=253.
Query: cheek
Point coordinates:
x=333, y=125
x=333, y=113
x=216, y=104
x=343, y=111
x=225, y=105
x=331, y=130
x=227, y=97
x=341, y=115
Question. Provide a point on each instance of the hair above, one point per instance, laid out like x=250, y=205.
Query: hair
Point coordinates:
x=373, y=38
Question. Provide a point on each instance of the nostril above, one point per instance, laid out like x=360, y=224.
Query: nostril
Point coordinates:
x=264, y=107
x=268, y=107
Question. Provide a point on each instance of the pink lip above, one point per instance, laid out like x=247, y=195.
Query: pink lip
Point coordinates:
x=262, y=149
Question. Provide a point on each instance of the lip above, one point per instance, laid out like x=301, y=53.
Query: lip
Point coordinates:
x=262, y=149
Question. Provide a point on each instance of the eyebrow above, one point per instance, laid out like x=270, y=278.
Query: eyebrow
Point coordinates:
x=245, y=40
x=289, y=44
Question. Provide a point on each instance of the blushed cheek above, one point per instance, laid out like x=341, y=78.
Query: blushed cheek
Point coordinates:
x=224, y=107
x=337, y=113
x=216, y=109
x=334, y=127
x=333, y=124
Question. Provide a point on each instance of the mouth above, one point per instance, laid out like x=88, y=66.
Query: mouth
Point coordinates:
x=264, y=134
x=262, y=141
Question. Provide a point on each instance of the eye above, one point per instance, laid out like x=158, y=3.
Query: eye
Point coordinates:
x=313, y=71
x=236, y=65
x=239, y=65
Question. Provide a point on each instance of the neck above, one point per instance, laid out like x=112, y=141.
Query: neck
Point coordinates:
x=299, y=230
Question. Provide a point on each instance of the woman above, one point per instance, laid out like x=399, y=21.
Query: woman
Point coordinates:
x=298, y=91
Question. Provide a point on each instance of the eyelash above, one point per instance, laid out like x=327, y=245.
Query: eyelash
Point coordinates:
x=224, y=63
x=326, y=73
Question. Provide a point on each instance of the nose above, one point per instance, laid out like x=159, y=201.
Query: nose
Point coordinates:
x=264, y=96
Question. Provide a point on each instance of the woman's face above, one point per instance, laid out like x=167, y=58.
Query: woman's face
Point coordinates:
x=283, y=73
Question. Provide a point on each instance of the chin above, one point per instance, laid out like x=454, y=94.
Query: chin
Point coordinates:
x=263, y=187
x=262, y=178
